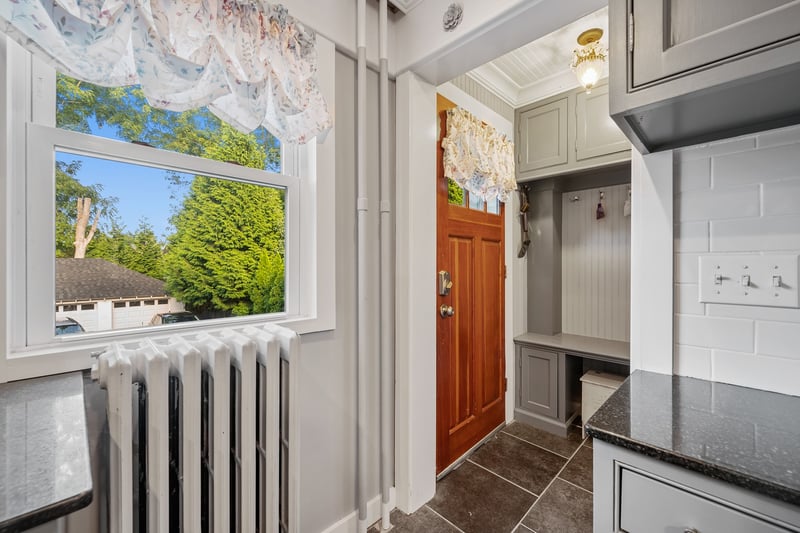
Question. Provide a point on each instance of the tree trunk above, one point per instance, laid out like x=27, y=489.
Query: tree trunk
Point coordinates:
x=82, y=238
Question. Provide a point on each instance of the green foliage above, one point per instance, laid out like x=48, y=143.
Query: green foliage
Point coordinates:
x=455, y=193
x=223, y=230
x=140, y=251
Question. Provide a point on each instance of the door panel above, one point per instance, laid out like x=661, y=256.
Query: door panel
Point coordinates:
x=470, y=359
x=673, y=36
x=543, y=136
x=539, y=381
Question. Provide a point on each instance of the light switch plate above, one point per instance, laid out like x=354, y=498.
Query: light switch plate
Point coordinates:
x=723, y=279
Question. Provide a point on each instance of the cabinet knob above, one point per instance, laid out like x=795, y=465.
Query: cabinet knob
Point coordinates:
x=690, y=530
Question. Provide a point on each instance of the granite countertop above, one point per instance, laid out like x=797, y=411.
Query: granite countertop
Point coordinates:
x=44, y=451
x=615, y=351
x=743, y=436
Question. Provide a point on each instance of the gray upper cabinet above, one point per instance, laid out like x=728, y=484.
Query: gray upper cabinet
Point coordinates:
x=543, y=136
x=684, y=72
x=597, y=134
x=567, y=133
x=673, y=37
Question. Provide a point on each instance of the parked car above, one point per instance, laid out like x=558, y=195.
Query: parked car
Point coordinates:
x=68, y=325
x=173, y=318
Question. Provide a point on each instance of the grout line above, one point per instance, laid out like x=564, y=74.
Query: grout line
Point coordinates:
x=537, y=445
x=546, y=489
x=574, y=485
x=431, y=509
x=501, y=477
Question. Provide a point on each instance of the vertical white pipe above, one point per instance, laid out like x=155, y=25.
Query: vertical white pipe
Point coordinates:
x=387, y=278
x=363, y=289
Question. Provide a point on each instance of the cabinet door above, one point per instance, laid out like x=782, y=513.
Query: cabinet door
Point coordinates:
x=597, y=134
x=673, y=36
x=543, y=136
x=539, y=381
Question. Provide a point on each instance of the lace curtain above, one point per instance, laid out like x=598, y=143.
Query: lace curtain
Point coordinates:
x=478, y=157
x=249, y=61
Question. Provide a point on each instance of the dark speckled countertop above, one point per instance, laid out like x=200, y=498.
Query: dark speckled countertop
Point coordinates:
x=747, y=437
x=44, y=451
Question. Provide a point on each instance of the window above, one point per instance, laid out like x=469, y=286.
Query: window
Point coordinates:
x=50, y=146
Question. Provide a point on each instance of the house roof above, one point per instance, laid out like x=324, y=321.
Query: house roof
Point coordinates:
x=91, y=279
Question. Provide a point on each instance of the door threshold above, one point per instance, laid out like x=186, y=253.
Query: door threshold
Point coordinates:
x=455, y=464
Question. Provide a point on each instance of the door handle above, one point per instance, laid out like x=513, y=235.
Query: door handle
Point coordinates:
x=446, y=311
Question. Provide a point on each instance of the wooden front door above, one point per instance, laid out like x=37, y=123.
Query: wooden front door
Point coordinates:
x=470, y=361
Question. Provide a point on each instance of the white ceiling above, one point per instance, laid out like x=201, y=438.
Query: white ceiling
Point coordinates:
x=540, y=68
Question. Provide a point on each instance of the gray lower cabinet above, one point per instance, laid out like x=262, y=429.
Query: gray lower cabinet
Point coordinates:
x=637, y=494
x=547, y=392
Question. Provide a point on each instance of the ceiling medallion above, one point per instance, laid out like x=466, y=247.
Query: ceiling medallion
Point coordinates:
x=452, y=17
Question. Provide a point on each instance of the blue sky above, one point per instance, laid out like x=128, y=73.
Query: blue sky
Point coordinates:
x=141, y=192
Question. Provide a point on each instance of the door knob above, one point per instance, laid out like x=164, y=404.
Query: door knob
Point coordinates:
x=446, y=311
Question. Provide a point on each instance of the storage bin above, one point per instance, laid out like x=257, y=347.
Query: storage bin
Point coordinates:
x=596, y=387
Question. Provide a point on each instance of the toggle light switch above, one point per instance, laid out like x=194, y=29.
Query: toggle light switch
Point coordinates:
x=750, y=279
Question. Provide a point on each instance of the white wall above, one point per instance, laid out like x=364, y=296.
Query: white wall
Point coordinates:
x=737, y=196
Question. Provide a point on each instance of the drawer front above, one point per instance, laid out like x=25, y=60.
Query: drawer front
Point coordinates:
x=648, y=505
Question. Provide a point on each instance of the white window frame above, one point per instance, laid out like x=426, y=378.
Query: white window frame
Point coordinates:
x=28, y=141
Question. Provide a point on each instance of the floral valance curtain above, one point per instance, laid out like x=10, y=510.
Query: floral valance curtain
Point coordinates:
x=478, y=157
x=249, y=61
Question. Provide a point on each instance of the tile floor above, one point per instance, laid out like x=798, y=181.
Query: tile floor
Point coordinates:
x=523, y=480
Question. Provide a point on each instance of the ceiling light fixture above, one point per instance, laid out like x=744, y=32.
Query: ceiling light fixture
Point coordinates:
x=589, y=61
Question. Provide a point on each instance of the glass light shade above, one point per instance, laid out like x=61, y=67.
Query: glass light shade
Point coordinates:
x=589, y=72
x=589, y=62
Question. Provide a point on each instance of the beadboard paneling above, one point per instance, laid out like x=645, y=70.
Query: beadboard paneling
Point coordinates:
x=484, y=96
x=596, y=265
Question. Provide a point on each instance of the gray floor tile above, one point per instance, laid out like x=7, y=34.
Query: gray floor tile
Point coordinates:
x=523, y=529
x=563, y=508
x=562, y=446
x=588, y=442
x=579, y=469
x=477, y=501
x=527, y=465
x=422, y=520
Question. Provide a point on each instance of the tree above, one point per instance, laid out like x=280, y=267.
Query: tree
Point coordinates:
x=140, y=251
x=73, y=209
x=226, y=254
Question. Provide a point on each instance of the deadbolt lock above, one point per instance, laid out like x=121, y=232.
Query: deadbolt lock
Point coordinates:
x=444, y=283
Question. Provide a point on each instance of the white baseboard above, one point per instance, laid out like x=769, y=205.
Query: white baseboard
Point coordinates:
x=349, y=524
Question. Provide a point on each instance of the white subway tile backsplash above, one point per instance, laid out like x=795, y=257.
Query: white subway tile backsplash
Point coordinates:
x=727, y=146
x=687, y=300
x=752, y=206
x=756, y=166
x=686, y=268
x=756, y=234
x=692, y=362
x=691, y=237
x=710, y=332
x=780, y=136
x=781, y=339
x=776, y=314
x=781, y=197
x=757, y=371
x=738, y=202
x=693, y=174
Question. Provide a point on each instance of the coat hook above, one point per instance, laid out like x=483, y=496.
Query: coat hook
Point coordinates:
x=575, y=198
x=600, y=212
